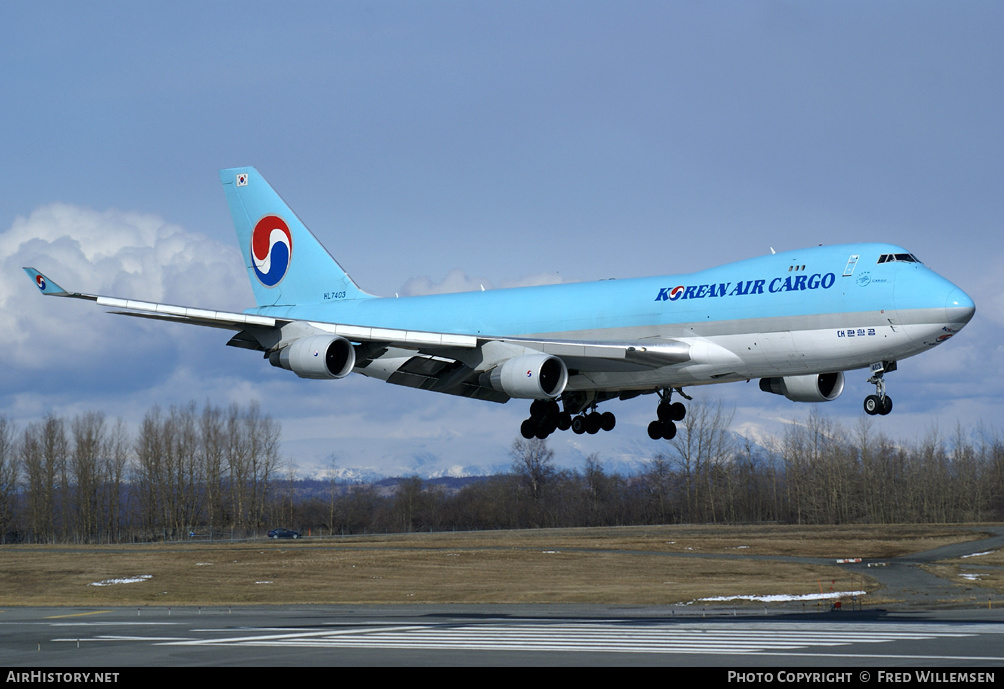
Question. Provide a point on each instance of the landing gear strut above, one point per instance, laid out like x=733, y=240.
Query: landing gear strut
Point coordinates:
x=879, y=403
x=664, y=426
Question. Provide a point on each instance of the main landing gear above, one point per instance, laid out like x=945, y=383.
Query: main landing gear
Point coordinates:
x=546, y=417
x=879, y=403
x=668, y=413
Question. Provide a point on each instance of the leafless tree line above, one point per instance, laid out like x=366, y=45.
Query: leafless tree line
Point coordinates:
x=217, y=471
x=819, y=472
x=816, y=472
x=86, y=480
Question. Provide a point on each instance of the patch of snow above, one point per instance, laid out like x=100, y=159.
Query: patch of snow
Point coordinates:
x=126, y=580
x=783, y=598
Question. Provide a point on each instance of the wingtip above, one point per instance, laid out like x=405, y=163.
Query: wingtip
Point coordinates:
x=47, y=286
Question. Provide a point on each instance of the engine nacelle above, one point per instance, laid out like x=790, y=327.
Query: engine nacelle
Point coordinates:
x=821, y=387
x=320, y=356
x=534, y=376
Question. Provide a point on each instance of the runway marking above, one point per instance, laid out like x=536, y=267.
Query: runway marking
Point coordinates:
x=78, y=614
x=112, y=637
x=108, y=623
x=625, y=637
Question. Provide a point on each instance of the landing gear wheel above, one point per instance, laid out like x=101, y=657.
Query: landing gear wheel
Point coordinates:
x=664, y=430
x=592, y=423
x=564, y=421
x=546, y=428
x=540, y=408
x=872, y=405
x=886, y=406
x=671, y=412
x=607, y=421
x=664, y=411
x=677, y=411
x=579, y=424
x=668, y=430
x=545, y=419
x=528, y=428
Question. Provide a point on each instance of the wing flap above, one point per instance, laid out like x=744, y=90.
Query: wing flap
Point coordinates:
x=443, y=375
x=414, y=338
x=652, y=354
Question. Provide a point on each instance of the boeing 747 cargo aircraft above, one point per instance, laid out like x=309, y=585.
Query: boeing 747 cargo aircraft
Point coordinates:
x=796, y=320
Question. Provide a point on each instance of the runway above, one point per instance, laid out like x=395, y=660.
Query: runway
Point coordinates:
x=912, y=636
x=493, y=636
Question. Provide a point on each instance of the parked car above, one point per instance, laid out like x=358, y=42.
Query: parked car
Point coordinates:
x=283, y=533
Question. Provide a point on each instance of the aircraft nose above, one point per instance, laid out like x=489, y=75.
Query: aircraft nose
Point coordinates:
x=959, y=308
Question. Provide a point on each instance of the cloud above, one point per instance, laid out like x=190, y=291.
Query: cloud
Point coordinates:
x=114, y=250
x=61, y=349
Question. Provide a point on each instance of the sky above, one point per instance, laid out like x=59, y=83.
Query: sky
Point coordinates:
x=442, y=146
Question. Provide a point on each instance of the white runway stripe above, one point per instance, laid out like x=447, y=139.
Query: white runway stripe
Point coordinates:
x=599, y=638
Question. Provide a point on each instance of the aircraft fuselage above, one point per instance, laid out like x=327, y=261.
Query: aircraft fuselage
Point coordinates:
x=813, y=310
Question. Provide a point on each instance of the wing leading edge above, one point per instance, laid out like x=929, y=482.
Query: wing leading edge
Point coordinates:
x=440, y=362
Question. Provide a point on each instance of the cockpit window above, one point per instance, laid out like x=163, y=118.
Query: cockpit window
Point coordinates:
x=902, y=258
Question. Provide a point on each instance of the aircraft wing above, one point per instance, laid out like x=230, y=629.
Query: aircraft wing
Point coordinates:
x=442, y=362
x=146, y=309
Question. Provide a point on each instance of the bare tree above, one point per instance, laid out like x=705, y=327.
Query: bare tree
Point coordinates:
x=263, y=435
x=149, y=471
x=212, y=453
x=532, y=463
x=408, y=499
x=702, y=443
x=8, y=477
x=89, y=448
x=114, y=477
x=237, y=466
x=658, y=482
x=43, y=455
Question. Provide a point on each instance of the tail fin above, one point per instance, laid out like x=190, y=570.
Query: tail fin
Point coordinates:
x=285, y=262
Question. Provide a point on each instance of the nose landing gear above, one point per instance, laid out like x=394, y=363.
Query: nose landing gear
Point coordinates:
x=879, y=403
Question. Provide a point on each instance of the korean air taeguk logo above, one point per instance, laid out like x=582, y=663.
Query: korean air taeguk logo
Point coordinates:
x=271, y=249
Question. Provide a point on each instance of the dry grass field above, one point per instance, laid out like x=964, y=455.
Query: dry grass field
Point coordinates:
x=983, y=570
x=626, y=566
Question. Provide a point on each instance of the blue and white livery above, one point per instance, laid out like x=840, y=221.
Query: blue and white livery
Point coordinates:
x=795, y=320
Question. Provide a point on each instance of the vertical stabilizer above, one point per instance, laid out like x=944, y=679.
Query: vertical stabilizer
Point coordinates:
x=285, y=262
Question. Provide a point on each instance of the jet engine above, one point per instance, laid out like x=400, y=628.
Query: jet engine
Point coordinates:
x=821, y=387
x=534, y=376
x=320, y=356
